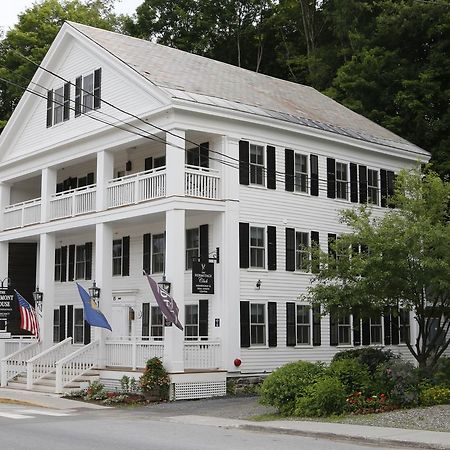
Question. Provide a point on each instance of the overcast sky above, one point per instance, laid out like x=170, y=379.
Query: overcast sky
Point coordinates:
x=9, y=9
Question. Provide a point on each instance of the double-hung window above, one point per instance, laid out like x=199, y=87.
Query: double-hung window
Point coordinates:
x=301, y=173
x=372, y=186
x=158, y=253
x=257, y=324
x=156, y=323
x=344, y=328
x=80, y=262
x=78, y=326
x=117, y=256
x=341, y=181
x=88, y=92
x=303, y=325
x=302, y=254
x=192, y=246
x=257, y=247
x=58, y=264
x=58, y=106
x=191, y=331
x=257, y=165
x=376, y=330
x=56, y=325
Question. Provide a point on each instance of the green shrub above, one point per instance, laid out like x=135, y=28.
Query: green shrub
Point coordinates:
x=282, y=387
x=353, y=375
x=129, y=385
x=371, y=357
x=435, y=395
x=441, y=373
x=324, y=398
x=95, y=391
x=155, y=379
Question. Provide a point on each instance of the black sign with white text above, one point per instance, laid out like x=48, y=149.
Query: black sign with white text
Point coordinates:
x=202, y=278
x=9, y=312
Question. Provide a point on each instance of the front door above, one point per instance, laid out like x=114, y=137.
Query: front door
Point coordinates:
x=121, y=325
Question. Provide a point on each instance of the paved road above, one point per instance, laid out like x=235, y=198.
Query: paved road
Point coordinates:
x=26, y=428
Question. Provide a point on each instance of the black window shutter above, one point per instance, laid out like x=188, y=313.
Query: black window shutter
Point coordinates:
x=97, y=88
x=289, y=170
x=64, y=263
x=88, y=254
x=290, y=324
x=204, y=154
x=390, y=187
x=57, y=276
x=331, y=245
x=356, y=329
x=315, y=244
x=333, y=329
x=365, y=332
x=69, y=320
x=71, y=262
x=244, y=245
x=362, y=184
x=331, y=178
x=145, y=319
x=383, y=187
x=272, y=248
x=203, y=318
x=204, y=244
x=87, y=333
x=314, y=166
x=148, y=163
x=290, y=249
x=59, y=187
x=317, y=320
x=271, y=168
x=78, y=83
x=125, y=256
x=49, y=108
x=82, y=181
x=245, y=324
x=353, y=183
x=395, y=338
x=387, y=327
x=90, y=178
x=73, y=182
x=147, y=253
x=244, y=155
x=66, y=101
x=62, y=323
x=272, y=323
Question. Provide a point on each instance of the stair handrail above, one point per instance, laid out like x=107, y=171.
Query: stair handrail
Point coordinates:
x=45, y=362
x=65, y=373
x=16, y=362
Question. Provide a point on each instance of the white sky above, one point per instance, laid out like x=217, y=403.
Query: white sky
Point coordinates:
x=9, y=9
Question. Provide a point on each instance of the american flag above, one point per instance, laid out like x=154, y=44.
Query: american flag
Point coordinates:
x=28, y=318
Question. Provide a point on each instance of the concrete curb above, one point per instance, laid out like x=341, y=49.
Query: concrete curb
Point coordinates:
x=342, y=437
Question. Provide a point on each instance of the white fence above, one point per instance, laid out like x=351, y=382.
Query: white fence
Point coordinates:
x=202, y=355
x=22, y=214
x=73, y=203
x=202, y=182
x=14, y=343
x=137, y=188
x=16, y=363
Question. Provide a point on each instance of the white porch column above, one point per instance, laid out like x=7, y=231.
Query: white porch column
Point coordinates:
x=103, y=278
x=5, y=197
x=175, y=256
x=47, y=286
x=48, y=187
x=105, y=172
x=175, y=162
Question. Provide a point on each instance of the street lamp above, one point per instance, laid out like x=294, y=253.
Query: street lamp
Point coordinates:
x=164, y=284
x=94, y=292
x=38, y=298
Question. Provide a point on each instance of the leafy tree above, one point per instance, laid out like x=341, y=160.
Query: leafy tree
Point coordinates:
x=405, y=261
x=33, y=35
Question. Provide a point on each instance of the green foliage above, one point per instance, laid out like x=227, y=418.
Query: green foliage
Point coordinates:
x=435, y=395
x=155, y=378
x=129, y=385
x=357, y=403
x=371, y=357
x=282, y=387
x=441, y=374
x=95, y=391
x=352, y=374
x=325, y=397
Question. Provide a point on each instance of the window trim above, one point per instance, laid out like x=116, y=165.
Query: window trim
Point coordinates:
x=307, y=174
x=265, y=324
x=78, y=326
x=310, y=326
x=82, y=250
x=196, y=337
x=371, y=188
x=153, y=313
x=265, y=256
x=188, y=260
x=350, y=331
x=152, y=255
x=340, y=182
x=120, y=258
x=380, y=326
x=262, y=165
x=305, y=251
x=58, y=106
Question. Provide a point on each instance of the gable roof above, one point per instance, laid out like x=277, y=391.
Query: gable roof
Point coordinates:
x=194, y=78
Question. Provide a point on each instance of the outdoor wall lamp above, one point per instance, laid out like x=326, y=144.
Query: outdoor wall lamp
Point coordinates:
x=38, y=298
x=258, y=285
x=164, y=284
x=94, y=292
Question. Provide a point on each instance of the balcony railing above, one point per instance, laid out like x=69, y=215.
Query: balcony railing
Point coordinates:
x=73, y=203
x=22, y=214
x=136, y=188
x=202, y=182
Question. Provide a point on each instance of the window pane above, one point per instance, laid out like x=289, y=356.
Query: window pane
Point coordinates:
x=158, y=253
x=257, y=247
x=256, y=164
x=58, y=105
x=88, y=91
x=191, y=322
x=301, y=173
x=192, y=246
x=341, y=181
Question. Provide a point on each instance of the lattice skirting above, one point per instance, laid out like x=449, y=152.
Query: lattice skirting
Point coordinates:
x=196, y=389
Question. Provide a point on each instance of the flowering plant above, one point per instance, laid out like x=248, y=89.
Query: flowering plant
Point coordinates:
x=155, y=378
x=359, y=404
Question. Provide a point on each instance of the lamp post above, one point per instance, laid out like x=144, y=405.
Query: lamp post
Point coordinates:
x=38, y=298
x=94, y=292
x=164, y=284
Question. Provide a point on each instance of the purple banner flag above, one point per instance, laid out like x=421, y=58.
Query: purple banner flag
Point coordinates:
x=165, y=302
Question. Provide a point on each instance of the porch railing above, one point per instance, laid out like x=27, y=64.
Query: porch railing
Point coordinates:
x=14, y=343
x=75, y=364
x=73, y=203
x=45, y=363
x=132, y=352
x=137, y=187
x=16, y=363
x=202, y=182
x=22, y=214
x=202, y=355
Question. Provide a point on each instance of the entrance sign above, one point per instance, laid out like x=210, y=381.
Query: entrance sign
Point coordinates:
x=7, y=307
x=202, y=277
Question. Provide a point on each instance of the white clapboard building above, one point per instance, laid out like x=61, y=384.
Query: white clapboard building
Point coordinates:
x=126, y=155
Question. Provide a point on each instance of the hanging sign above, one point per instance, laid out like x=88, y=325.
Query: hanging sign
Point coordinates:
x=9, y=314
x=202, y=277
